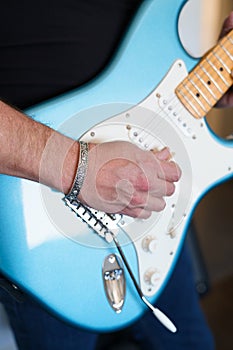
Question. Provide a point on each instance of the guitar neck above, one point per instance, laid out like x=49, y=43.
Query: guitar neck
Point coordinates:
x=209, y=80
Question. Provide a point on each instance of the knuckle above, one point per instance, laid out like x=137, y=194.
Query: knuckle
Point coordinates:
x=137, y=200
x=141, y=182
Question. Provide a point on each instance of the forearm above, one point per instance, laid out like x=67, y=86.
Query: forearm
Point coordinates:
x=31, y=150
x=120, y=176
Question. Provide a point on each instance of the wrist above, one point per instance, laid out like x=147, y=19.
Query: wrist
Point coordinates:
x=70, y=167
x=58, y=162
x=80, y=172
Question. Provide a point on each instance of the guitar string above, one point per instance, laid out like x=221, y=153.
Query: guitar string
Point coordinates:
x=151, y=125
x=155, y=124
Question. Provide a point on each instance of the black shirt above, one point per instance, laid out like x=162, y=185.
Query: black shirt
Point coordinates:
x=51, y=46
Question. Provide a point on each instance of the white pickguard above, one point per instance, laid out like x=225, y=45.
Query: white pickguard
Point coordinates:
x=160, y=120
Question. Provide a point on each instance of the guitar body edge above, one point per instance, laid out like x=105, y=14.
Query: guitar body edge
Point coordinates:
x=57, y=259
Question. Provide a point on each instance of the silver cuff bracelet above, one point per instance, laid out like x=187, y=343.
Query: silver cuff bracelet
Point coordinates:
x=81, y=171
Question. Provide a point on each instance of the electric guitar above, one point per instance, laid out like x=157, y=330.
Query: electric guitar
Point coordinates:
x=68, y=262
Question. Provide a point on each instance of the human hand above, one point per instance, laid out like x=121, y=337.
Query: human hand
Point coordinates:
x=122, y=178
x=227, y=99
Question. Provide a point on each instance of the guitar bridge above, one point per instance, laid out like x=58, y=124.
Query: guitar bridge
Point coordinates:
x=105, y=225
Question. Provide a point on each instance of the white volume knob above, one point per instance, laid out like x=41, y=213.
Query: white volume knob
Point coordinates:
x=152, y=276
x=149, y=244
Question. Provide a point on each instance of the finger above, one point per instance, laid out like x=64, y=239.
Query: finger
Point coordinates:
x=169, y=171
x=150, y=201
x=162, y=188
x=227, y=25
x=153, y=204
x=226, y=100
x=164, y=154
x=137, y=213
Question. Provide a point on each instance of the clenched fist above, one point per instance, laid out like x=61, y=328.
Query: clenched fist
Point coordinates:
x=122, y=178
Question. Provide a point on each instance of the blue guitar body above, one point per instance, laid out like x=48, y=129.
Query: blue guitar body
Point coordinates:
x=57, y=259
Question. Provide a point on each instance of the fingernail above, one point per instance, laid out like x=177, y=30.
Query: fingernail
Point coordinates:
x=164, y=154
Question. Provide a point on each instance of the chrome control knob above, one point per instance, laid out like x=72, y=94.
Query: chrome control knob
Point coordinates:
x=152, y=276
x=149, y=244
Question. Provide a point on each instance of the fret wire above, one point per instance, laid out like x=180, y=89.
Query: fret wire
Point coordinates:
x=215, y=54
x=230, y=39
x=200, y=91
x=222, y=62
x=226, y=40
x=226, y=52
x=217, y=71
x=195, y=98
x=190, y=103
x=211, y=78
x=206, y=86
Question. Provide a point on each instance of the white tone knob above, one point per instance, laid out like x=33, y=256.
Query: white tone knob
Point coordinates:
x=152, y=276
x=149, y=244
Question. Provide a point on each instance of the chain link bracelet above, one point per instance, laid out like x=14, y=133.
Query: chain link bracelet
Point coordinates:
x=81, y=171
